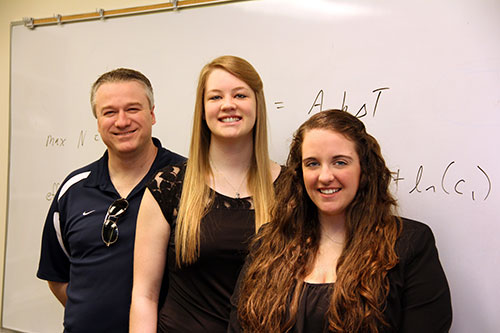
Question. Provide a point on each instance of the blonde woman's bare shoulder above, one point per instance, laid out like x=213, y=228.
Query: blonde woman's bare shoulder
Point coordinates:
x=275, y=170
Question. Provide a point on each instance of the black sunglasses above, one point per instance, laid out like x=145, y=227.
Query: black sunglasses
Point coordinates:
x=109, y=231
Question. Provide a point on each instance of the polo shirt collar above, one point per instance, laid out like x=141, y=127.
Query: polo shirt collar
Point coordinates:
x=99, y=176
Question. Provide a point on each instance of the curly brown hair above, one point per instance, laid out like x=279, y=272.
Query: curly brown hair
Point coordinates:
x=283, y=252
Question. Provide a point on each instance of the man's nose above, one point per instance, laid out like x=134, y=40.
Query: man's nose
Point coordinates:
x=122, y=119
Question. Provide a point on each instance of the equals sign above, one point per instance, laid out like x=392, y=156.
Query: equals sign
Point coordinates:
x=279, y=105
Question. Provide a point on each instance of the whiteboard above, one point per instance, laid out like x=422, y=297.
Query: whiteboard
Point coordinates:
x=425, y=75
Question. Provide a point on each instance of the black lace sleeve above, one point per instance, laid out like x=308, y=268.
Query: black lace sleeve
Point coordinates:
x=166, y=188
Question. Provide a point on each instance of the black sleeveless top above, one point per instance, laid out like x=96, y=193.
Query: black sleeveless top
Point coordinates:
x=198, y=298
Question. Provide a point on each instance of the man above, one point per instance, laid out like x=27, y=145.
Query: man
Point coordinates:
x=88, y=238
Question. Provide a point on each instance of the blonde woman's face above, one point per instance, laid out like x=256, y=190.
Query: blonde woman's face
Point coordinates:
x=230, y=106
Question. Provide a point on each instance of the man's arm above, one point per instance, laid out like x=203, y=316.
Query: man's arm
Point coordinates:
x=54, y=262
x=59, y=290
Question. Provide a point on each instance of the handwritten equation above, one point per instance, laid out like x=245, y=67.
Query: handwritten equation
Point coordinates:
x=478, y=187
x=448, y=184
x=83, y=138
x=317, y=104
x=55, y=141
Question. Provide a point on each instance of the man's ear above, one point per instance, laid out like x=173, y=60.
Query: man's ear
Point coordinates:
x=153, y=116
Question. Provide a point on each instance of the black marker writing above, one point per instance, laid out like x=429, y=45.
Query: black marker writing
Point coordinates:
x=316, y=104
x=418, y=179
x=444, y=176
x=363, y=109
x=379, y=90
x=488, y=180
x=432, y=187
x=396, y=178
x=458, y=187
x=279, y=105
x=344, y=107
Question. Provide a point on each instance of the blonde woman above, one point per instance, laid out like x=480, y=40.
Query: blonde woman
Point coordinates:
x=196, y=219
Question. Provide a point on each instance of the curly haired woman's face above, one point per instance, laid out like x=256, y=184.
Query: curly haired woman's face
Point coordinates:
x=331, y=171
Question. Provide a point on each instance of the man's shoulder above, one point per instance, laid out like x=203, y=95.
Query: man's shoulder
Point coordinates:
x=93, y=166
x=89, y=168
x=167, y=157
x=78, y=175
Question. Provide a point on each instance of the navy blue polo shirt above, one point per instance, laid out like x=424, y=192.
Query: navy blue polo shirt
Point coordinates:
x=100, y=277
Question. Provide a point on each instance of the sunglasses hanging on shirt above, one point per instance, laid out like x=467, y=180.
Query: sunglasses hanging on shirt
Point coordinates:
x=109, y=231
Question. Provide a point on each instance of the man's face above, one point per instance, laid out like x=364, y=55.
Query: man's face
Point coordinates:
x=124, y=117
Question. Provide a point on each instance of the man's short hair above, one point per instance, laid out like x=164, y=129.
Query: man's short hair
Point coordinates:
x=122, y=75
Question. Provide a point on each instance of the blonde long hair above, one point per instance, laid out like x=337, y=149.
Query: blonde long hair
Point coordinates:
x=196, y=195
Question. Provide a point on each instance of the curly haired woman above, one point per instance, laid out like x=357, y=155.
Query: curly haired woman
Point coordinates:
x=336, y=257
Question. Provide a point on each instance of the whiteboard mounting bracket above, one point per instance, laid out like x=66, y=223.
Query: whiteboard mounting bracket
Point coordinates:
x=174, y=4
x=29, y=22
x=100, y=11
x=58, y=17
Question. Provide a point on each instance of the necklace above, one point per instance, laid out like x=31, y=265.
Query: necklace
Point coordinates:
x=330, y=238
x=236, y=190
